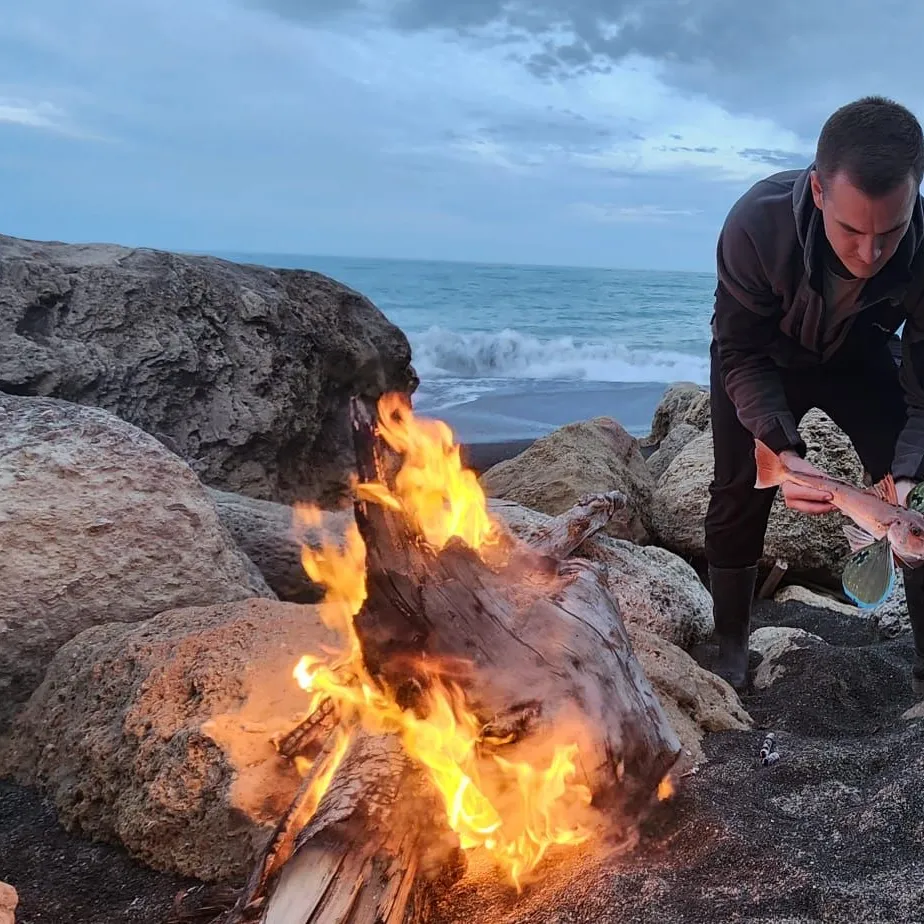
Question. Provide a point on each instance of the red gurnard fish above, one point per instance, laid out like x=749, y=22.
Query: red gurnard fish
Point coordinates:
x=884, y=533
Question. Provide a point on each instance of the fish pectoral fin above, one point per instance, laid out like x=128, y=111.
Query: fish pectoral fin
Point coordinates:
x=857, y=537
x=869, y=574
x=885, y=490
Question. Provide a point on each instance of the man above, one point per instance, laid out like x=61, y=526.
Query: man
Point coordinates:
x=817, y=269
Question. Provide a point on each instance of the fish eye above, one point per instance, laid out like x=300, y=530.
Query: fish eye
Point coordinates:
x=916, y=531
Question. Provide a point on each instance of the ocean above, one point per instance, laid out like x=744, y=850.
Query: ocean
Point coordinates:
x=512, y=352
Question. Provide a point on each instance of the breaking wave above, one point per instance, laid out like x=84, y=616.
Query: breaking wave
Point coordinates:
x=509, y=354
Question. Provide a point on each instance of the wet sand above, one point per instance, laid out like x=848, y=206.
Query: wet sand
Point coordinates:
x=529, y=413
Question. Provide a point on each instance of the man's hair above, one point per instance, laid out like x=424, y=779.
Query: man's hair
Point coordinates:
x=875, y=142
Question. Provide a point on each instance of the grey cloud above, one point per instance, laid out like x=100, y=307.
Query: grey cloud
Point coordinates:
x=686, y=149
x=559, y=128
x=307, y=10
x=775, y=158
x=792, y=61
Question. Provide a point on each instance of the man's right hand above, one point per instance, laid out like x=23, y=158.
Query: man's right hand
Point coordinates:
x=797, y=496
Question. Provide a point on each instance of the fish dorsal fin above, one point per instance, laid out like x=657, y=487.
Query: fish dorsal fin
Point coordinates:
x=885, y=490
x=857, y=538
x=869, y=574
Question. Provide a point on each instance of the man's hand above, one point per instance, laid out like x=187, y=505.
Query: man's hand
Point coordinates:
x=798, y=497
x=903, y=487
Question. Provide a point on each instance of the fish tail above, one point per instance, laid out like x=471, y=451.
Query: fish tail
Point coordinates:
x=771, y=472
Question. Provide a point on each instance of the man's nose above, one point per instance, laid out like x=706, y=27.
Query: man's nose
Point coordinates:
x=870, y=249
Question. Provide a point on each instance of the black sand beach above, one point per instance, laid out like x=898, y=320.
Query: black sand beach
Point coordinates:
x=831, y=833
x=536, y=409
x=525, y=418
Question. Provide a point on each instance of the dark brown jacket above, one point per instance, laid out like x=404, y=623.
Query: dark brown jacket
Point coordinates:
x=769, y=311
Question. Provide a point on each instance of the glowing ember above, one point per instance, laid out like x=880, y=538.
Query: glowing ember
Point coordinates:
x=513, y=810
x=665, y=789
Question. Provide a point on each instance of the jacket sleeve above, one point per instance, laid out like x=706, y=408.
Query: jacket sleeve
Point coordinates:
x=747, y=316
x=909, y=448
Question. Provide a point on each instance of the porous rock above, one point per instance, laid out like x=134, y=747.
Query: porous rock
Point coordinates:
x=158, y=735
x=795, y=593
x=244, y=371
x=695, y=700
x=813, y=546
x=98, y=523
x=891, y=617
x=682, y=403
x=677, y=437
x=587, y=457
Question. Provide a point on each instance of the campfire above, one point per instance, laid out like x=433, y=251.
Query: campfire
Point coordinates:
x=483, y=698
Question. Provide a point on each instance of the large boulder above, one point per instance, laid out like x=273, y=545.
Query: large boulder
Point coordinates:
x=243, y=371
x=695, y=701
x=669, y=448
x=656, y=590
x=98, y=522
x=158, y=735
x=813, y=546
x=587, y=457
x=682, y=403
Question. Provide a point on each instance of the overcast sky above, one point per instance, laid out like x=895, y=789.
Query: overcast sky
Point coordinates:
x=587, y=132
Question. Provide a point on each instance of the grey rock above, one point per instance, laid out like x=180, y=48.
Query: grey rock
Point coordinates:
x=98, y=523
x=244, y=371
x=158, y=735
x=891, y=617
x=676, y=438
x=772, y=643
x=587, y=457
x=273, y=538
x=682, y=402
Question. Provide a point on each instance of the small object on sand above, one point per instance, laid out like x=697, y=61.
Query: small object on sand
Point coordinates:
x=8, y=902
x=768, y=745
x=768, y=752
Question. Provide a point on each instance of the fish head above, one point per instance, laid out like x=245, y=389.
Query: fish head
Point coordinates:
x=906, y=536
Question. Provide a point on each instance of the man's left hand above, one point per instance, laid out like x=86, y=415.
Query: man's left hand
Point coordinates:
x=903, y=487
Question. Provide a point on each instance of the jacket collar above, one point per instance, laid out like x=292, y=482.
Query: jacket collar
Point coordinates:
x=809, y=229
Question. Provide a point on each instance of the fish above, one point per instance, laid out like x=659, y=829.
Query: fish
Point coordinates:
x=883, y=534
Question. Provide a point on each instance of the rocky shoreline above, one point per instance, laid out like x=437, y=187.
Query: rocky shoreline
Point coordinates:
x=158, y=417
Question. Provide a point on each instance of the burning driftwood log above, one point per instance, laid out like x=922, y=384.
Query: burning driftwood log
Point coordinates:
x=486, y=696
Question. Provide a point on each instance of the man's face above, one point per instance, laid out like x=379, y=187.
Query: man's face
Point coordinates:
x=863, y=232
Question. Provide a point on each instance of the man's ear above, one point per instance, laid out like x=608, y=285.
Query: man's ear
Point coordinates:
x=817, y=191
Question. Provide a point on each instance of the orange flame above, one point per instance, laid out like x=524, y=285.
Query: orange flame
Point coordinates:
x=513, y=810
x=439, y=496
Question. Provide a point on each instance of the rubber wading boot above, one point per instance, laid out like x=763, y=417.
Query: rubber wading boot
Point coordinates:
x=914, y=595
x=732, y=594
